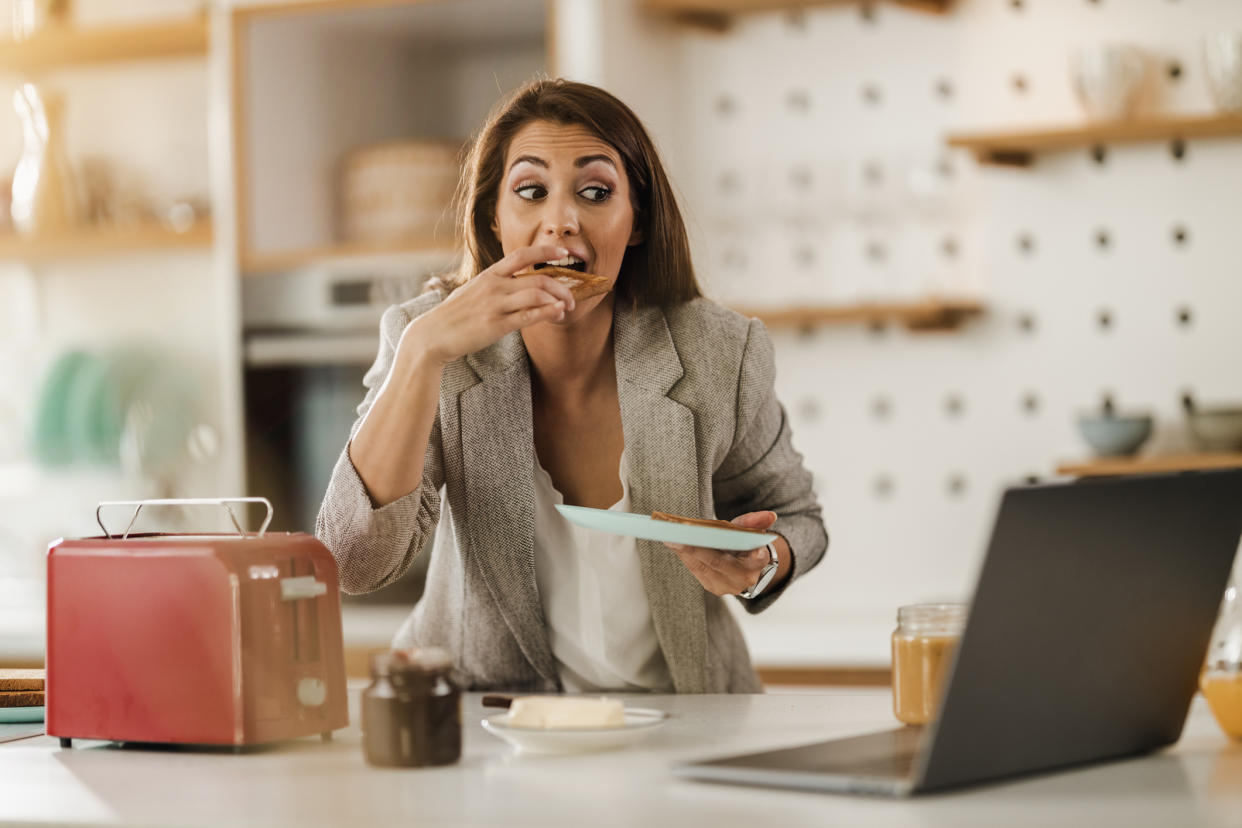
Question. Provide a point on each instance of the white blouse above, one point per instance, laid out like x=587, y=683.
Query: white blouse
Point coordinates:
x=591, y=586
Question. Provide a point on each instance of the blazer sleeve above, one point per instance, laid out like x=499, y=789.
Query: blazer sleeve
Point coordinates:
x=375, y=546
x=763, y=471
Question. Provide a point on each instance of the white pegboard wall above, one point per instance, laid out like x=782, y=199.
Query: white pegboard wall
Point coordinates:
x=819, y=174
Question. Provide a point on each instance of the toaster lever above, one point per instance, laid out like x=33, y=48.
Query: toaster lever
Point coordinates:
x=305, y=586
x=184, y=501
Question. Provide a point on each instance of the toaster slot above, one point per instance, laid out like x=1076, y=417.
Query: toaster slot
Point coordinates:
x=295, y=637
x=309, y=616
x=302, y=594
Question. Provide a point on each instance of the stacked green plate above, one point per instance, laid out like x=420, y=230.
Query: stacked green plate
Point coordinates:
x=87, y=399
x=17, y=715
x=52, y=446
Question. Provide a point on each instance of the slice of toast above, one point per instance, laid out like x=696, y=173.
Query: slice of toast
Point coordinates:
x=21, y=698
x=21, y=679
x=581, y=285
x=715, y=524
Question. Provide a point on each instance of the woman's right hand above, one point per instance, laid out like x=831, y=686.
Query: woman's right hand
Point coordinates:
x=490, y=306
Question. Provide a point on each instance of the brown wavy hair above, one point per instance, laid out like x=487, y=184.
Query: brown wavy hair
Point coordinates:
x=655, y=271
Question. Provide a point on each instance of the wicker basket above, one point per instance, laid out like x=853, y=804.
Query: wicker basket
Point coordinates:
x=399, y=190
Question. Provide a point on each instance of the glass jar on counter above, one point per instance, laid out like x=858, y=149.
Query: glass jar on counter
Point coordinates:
x=923, y=646
x=1221, y=679
x=411, y=712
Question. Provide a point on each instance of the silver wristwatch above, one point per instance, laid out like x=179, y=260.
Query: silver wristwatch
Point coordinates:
x=765, y=575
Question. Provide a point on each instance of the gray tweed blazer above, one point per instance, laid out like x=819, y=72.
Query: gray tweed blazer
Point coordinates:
x=704, y=434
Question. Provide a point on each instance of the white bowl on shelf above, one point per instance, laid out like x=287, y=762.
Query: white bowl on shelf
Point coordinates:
x=1216, y=429
x=1107, y=78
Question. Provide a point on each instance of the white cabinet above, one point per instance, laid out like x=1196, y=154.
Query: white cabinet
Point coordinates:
x=314, y=82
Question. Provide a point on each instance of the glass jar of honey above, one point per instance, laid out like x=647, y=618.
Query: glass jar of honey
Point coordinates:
x=923, y=647
x=411, y=712
x=1221, y=679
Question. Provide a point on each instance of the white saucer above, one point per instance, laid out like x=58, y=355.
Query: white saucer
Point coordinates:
x=639, y=722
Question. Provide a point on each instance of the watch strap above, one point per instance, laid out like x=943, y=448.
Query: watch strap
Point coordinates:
x=765, y=575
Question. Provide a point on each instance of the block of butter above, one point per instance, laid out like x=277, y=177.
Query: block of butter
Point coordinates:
x=566, y=712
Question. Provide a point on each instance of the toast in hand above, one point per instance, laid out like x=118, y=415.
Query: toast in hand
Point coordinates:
x=715, y=524
x=581, y=285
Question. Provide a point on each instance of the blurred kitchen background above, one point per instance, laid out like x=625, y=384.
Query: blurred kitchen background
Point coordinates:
x=981, y=233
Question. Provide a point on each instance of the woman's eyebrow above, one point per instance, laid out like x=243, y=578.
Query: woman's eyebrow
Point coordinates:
x=579, y=162
x=587, y=159
x=530, y=159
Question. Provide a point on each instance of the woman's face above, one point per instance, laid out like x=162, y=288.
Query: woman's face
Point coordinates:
x=563, y=184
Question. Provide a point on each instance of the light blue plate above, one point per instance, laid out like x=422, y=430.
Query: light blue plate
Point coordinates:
x=644, y=527
x=10, y=715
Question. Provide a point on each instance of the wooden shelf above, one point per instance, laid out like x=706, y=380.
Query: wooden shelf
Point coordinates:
x=1151, y=465
x=260, y=263
x=717, y=14
x=102, y=241
x=1019, y=148
x=57, y=45
x=825, y=676
x=927, y=315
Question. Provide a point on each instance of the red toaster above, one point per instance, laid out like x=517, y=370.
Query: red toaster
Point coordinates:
x=213, y=639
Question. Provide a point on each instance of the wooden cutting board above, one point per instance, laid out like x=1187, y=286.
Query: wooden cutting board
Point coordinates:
x=21, y=680
x=21, y=698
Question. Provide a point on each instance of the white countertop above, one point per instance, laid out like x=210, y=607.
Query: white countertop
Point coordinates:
x=308, y=782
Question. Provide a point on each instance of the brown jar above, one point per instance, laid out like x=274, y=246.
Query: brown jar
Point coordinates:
x=411, y=712
x=923, y=646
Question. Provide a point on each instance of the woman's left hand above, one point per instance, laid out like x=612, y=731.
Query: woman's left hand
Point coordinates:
x=727, y=573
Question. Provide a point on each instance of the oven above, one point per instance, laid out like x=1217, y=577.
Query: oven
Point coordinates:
x=309, y=337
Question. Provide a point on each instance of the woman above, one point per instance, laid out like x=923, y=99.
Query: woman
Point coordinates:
x=513, y=397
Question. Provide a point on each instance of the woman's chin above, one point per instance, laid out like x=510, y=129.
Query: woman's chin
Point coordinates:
x=581, y=310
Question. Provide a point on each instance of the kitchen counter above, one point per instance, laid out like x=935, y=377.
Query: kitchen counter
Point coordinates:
x=1198, y=782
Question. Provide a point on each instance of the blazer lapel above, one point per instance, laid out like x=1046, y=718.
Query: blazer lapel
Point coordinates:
x=661, y=447
x=497, y=438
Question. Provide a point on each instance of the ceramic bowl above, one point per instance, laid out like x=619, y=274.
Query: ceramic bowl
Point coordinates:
x=1111, y=435
x=1216, y=429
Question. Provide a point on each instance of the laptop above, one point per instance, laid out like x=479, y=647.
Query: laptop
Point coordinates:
x=1086, y=635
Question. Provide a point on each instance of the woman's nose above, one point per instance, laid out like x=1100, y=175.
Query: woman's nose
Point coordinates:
x=560, y=218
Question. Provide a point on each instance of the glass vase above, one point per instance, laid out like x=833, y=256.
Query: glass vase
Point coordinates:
x=44, y=200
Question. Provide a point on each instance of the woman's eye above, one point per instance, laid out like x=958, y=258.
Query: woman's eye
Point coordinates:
x=530, y=192
x=596, y=194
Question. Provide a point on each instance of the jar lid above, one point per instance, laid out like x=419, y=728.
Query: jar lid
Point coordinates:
x=413, y=660
x=431, y=659
x=933, y=616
